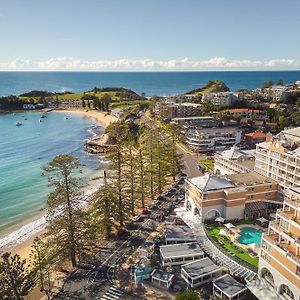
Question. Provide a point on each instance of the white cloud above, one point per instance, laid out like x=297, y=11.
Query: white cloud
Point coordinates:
x=215, y=63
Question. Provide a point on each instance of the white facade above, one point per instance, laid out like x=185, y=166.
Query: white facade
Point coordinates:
x=212, y=139
x=221, y=98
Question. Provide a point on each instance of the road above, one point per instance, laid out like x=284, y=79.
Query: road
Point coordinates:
x=190, y=159
x=94, y=281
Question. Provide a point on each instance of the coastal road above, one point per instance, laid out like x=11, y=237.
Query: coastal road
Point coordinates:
x=190, y=159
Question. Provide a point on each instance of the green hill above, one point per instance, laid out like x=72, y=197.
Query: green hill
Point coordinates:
x=212, y=86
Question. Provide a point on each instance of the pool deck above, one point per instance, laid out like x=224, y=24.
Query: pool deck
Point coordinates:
x=235, y=233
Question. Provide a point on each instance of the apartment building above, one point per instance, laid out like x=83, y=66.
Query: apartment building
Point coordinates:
x=168, y=111
x=235, y=196
x=234, y=160
x=197, y=121
x=253, y=138
x=278, y=92
x=246, y=113
x=212, y=139
x=279, y=261
x=221, y=98
x=279, y=159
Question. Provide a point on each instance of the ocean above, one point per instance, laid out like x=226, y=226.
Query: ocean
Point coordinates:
x=151, y=83
x=25, y=149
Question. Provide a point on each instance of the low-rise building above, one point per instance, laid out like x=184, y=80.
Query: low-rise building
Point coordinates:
x=253, y=138
x=162, y=279
x=200, y=271
x=279, y=260
x=247, y=113
x=197, y=121
x=234, y=160
x=176, y=234
x=221, y=98
x=236, y=196
x=141, y=273
x=179, y=254
x=212, y=139
x=168, y=111
x=227, y=288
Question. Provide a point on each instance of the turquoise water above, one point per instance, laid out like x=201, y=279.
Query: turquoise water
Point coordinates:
x=250, y=235
x=25, y=149
x=151, y=83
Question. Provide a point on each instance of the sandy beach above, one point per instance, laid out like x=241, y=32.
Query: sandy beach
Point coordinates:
x=101, y=118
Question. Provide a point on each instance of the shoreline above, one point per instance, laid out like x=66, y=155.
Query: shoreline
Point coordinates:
x=37, y=223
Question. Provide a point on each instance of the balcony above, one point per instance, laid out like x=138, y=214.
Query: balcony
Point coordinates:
x=289, y=250
x=295, y=203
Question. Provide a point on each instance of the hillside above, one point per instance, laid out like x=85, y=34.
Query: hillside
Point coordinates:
x=116, y=94
x=212, y=86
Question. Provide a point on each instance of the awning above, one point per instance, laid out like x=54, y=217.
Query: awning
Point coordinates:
x=229, y=225
x=223, y=232
x=220, y=219
x=262, y=220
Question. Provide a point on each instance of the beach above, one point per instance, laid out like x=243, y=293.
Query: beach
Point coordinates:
x=35, y=226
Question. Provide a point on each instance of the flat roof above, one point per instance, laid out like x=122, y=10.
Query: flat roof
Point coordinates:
x=295, y=132
x=250, y=178
x=228, y=285
x=162, y=275
x=218, y=129
x=179, y=232
x=193, y=118
x=200, y=267
x=180, y=250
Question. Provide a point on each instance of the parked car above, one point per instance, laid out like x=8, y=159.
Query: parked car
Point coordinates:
x=146, y=212
x=137, y=218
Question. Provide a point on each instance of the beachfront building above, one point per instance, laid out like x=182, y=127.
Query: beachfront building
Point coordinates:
x=236, y=196
x=227, y=288
x=168, y=111
x=212, y=139
x=162, y=279
x=178, y=254
x=176, y=234
x=233, y=160
x=247, y=113
x=279, y=159
x=221, y=98
x=200, y=271
x=279, y=261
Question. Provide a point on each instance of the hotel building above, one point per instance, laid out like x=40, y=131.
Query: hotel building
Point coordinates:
x=221, y=98
x=235, y=196
x=279, y=263
x=279, y=159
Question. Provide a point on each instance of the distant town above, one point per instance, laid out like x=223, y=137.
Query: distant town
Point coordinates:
x=200, y=200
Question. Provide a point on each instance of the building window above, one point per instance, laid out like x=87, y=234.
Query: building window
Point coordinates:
x=298, y=271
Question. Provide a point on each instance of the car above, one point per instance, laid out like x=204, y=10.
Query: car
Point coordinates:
x=146, y=212
x=136, y=218
x=157, y=202
x=122, y=232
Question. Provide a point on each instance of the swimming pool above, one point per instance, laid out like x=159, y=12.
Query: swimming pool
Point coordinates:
x=250, y=235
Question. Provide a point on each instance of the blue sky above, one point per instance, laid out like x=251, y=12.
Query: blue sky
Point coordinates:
x=156, y=34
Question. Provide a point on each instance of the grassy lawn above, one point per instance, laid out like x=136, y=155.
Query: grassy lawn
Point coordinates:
x=225, y=242
x=208, y=165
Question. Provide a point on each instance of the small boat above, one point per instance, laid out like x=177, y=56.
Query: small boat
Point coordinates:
x=40, y=120
x=19, y=124
x=66, y=118
x=26, y=119
x=43, y=116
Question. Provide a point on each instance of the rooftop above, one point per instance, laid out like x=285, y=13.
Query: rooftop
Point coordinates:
x=211, y=182
x=162, y=275
x=226, y=129
x=179, y=250
x=256, y=135
x=179, y=232
x=229, y=285
x=241, y=110
x=200, y=267
x=236, y=153
x=250, y=178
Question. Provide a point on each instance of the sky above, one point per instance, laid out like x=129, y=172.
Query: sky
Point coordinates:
x=149, y=35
